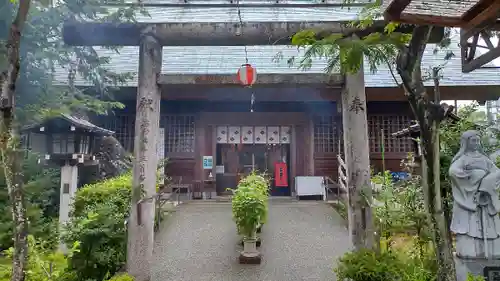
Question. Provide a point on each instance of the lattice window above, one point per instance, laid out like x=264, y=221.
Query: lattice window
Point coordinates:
x=63, y=143
x=123, y=126
x=327, y=133
x=179, y=133
x=386, y=125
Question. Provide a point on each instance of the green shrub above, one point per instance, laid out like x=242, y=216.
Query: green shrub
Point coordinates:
x=43, y=263
x=256, y=181
x=98, y=223
x=367, y=265
x=249, y=204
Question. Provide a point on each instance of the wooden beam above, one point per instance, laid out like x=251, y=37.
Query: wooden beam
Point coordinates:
x=206, y=33
x=468, y=49
x=481, y=60
x=193, y=34
x=262, y=79
x=465, y=34
x=475, y=10
x=430, y=20
x=395, y=8
x=479, y=18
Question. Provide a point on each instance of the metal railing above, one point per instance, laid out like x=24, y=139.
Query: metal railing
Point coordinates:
x=160, y=202
x=326, y=182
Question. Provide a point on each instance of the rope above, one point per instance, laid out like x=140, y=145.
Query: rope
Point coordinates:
x=241, y=28
x=252, y=99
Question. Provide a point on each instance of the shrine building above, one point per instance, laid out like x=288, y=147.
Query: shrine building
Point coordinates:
x=212, y=126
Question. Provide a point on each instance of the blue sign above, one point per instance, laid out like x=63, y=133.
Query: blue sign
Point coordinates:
x=208, y=162
x=397, y=176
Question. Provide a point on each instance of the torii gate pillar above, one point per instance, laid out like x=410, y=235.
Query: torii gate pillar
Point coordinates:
x=357, y=160
x=141, y=221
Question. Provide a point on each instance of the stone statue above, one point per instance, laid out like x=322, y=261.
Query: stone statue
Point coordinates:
x=475, y=185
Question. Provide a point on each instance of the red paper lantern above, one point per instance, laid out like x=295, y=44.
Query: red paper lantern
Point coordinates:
x=247, y=75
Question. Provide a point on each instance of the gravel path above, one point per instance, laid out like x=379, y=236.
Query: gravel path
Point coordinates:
x=301, y=241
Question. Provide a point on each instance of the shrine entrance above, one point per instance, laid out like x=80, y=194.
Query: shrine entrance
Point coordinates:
x=241, y=155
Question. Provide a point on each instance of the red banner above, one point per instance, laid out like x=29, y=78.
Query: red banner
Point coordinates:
x=280, y=174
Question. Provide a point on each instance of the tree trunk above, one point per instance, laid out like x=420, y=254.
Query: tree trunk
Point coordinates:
x=429, y=115
x=10, y=155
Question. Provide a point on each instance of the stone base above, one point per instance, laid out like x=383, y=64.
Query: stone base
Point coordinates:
x=476, y=267
x=250, y=258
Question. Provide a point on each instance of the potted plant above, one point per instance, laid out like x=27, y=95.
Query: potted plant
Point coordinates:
x=249, y=208
x=261, y=184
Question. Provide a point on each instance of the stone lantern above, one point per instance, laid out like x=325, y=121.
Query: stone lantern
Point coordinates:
x=68, y=142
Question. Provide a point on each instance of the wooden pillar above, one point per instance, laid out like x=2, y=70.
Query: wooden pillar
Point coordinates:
x=357, y=159
x=310, y=136
x=141, y=220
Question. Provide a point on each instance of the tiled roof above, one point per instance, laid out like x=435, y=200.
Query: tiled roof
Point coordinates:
x=227, y=59
x=445, y=8
x=452, y=71
x=307, y=12
x=76, y=121
x=183, y=15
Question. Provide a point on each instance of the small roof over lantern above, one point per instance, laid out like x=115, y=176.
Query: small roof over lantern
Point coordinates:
x=64, y=138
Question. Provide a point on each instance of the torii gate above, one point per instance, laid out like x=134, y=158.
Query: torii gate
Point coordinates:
x=476, y=18
x=151, y=37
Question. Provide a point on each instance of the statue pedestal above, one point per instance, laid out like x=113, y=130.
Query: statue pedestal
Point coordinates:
x=476, y=267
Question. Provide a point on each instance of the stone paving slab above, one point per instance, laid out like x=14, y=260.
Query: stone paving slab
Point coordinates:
x=301, y=241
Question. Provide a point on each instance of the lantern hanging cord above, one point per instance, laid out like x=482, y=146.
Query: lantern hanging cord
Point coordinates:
x=241, y=28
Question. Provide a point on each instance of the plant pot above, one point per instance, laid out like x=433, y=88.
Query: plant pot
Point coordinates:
x=257, y=243
x=250, y=255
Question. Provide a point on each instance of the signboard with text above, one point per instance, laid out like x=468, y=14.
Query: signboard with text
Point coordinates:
x=208, y=162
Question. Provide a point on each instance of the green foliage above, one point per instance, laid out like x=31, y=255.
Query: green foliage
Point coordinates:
x=98, y=224
x=345, y=52
x=471, y=277
x=399, y=209
x=43, y=263
x=117, y=188
x=367, y=265
x=40, y=91
x=380, y=44
x=42, y=193
x=346, y=55
x=256, y=181
x=122, y=277
x=249, y=204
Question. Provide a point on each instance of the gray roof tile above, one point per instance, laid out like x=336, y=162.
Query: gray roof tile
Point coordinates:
x=446, y=8
x=452, y=71
x=227, y=59
x=185, y=15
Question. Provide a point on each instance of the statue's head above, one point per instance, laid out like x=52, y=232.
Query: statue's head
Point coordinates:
x=469, y=142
